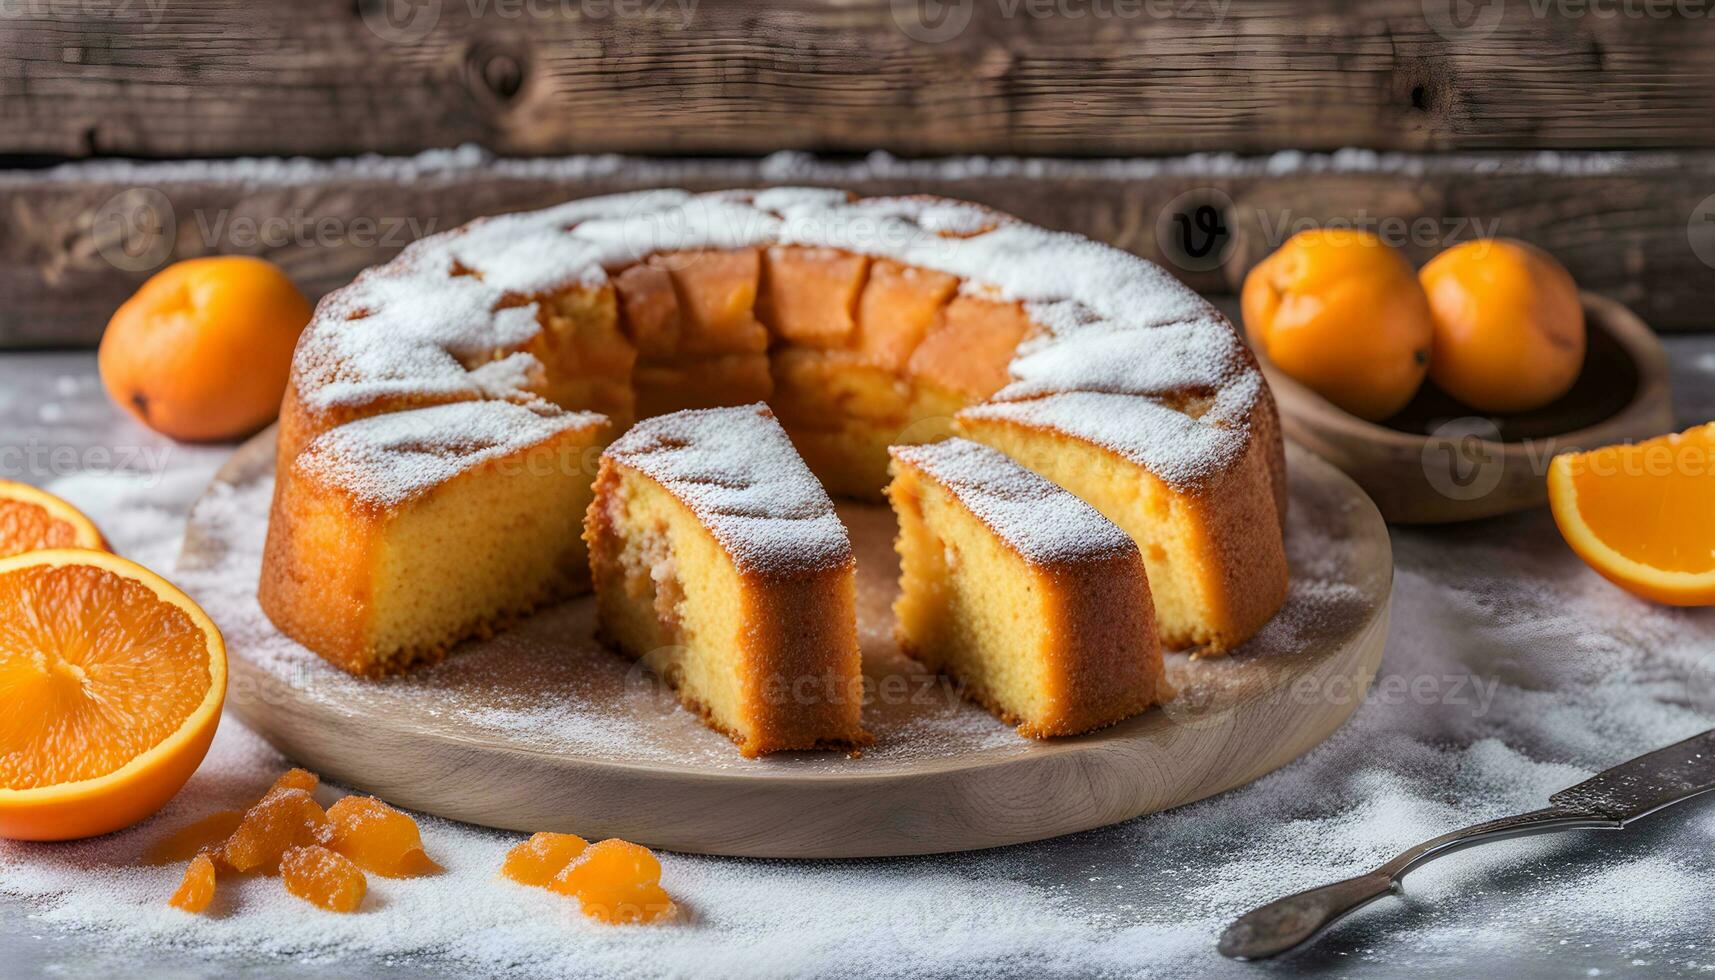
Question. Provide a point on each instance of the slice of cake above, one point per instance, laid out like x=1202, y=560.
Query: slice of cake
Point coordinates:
x=1190, y=487
x=1033, y=601
x=718, y=561
x=394, y=537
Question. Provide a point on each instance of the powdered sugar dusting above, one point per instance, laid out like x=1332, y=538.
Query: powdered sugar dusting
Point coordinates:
x=1045, y=523
x=388, y=459
x=738, y=472
x=1177, y=448
x=449, y=318
x=1198, y=356
x=1023, y=262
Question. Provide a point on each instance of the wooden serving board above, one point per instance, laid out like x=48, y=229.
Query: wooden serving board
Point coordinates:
x=540, y=728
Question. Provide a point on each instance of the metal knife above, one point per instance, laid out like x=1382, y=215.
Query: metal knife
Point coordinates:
x=1608, y=801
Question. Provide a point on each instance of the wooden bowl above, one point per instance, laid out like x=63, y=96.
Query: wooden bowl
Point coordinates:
x=1439, y=461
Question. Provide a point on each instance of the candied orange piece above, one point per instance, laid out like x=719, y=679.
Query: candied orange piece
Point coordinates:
x=321, y=877
x=282, y=819
x=379, y=838
x=898, y=306
x=616, y=882
x=296, y=779
x=197, y=888
x=537, y=860
x=969, y=350
x=190, y=840
x=810, y=295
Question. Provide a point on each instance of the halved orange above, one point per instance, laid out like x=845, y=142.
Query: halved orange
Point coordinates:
x=31, y=519
x=1643, y=515
x=111, y=682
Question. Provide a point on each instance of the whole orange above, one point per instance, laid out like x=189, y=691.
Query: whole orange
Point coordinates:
x=202, y=351
x=1342, y=312
x=1509, y=328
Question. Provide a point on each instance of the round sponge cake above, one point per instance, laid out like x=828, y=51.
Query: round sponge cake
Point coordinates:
x=864, y=323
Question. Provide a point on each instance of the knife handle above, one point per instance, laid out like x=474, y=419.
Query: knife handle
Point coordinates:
x=1280, y=925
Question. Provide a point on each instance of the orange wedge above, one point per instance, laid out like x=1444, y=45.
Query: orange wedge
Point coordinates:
x=1643, y=515
x=32, y=519
x=111, y=682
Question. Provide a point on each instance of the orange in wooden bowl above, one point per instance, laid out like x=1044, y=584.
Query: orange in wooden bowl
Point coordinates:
x=1342, y=312
x=1643, y=515
x=32, y=519
x=1509, y=327
x=203, y=350
x=112, y=680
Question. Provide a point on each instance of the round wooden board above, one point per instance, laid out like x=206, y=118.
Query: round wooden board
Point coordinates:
x=1438, y=461
x=541, y=729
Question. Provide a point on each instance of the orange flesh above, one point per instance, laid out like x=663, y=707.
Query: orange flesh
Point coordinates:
x=95, y=669
x=1653, y=501
x=281, y=820
x=616, y=882
x=321, y=877
x=197, y=888
x=29, y=527
x=539, y=859
x=189, y=841
x=379, y=838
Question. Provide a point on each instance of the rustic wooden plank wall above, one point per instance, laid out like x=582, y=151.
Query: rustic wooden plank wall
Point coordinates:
x=1494, y=118
x=173, y=78
x=80, y=239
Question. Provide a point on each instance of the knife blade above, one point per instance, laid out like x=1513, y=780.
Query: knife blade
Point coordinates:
x=1641, y=786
